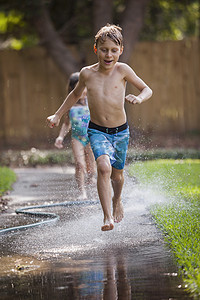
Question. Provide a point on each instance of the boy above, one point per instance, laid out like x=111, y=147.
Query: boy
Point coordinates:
x=108, y=129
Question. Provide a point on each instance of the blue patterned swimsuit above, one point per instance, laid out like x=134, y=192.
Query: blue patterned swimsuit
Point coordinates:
x=79, y=118
x=110, y=141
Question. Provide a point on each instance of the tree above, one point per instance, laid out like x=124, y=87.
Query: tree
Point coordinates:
x=102, y=12
x=38, y=14
x=58, y=23
x=171, y=20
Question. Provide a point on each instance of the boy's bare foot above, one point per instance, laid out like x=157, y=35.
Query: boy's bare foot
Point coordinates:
x=118, y=210
x=108, y=225
x=83, y=196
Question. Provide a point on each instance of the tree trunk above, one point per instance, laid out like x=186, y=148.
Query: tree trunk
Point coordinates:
x=102, y=13
x=50, y=39
x=132, y=23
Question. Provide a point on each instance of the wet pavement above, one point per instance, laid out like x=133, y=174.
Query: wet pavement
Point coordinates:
x=72, y=258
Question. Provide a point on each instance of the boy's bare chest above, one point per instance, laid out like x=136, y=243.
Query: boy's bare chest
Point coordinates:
x=105, y=86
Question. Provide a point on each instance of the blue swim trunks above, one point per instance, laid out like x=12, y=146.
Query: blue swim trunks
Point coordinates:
x=110, y=141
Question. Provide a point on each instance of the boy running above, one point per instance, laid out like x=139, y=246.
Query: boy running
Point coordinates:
x=108, y=129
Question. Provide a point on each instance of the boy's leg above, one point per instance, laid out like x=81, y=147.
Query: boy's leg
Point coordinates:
x=90, y=164
x=117, y=179
x=104, y=170
x=79, y=157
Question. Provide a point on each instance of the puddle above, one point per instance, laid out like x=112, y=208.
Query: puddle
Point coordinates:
x=137, y=273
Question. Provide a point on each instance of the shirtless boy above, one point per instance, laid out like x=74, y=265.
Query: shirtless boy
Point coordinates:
x=108, y=129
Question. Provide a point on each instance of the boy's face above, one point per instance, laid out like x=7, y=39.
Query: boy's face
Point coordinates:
x=108, y=53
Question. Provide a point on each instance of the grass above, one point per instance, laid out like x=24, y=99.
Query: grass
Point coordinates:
x=179, y=218
x=7, y=178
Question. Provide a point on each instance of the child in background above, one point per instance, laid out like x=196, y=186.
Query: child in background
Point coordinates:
x=77, y=120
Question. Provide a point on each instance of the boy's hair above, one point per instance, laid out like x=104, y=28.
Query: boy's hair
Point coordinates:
x=73, y=79
x=111, y=31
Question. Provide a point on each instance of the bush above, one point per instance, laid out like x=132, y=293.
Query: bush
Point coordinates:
x=142, y=155
x=35, y=157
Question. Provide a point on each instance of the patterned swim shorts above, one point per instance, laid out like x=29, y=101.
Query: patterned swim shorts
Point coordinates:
x=110, y=141
x=79, y=118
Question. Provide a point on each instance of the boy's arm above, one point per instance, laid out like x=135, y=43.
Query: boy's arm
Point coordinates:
x=69, y=101
x=63, y=132
x=145, y=91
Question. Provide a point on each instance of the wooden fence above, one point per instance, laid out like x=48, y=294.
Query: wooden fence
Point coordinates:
x=172, y=70
x=32, y=87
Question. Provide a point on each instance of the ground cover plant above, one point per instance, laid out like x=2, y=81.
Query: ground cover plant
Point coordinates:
x=37, y=157
x=7, y=177
x=179, y=216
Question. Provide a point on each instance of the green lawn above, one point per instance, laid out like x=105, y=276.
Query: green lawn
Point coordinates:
x=179, y=216
x=7, y=177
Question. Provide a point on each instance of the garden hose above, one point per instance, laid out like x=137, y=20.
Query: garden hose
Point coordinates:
x=52, y=217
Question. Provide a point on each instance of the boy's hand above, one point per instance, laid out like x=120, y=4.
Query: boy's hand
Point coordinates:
x=53, y=120
x=133, y=99
x=59, y=142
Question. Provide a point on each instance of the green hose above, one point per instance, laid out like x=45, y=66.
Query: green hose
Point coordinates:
x=52, y=217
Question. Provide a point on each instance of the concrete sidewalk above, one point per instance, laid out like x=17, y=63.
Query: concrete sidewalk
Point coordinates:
x=39, y=186
x=48, y=185
x=42, y=185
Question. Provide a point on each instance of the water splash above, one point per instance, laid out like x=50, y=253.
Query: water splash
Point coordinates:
x=79, y=228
